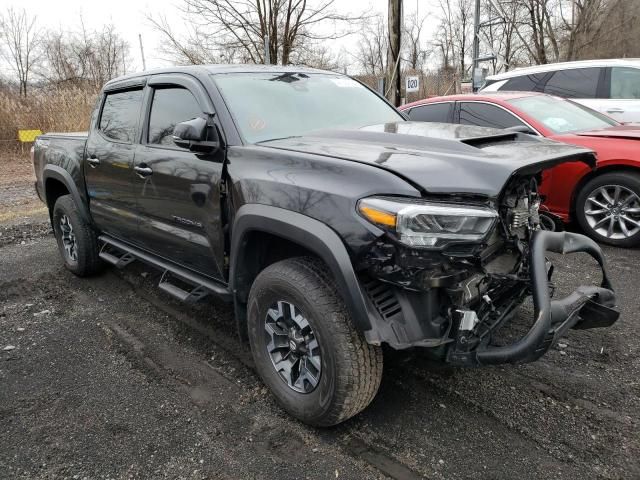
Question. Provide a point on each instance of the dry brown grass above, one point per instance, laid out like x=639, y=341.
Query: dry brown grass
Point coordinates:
x=46, y=109
x=59, y=110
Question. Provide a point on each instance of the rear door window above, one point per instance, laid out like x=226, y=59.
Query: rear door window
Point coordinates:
x=435, y=112
x=574, y=83
x=170, y=106
x=120, y=115
x=485, y=115
x=625, y=83
x=523, y=83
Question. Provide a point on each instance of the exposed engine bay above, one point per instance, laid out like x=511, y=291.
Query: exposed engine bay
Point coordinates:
x=477, y=286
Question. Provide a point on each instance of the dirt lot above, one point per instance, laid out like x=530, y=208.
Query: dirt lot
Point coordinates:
x=18, y=199
x=109, y=378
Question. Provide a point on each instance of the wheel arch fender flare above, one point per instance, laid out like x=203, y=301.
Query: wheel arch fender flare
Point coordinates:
x=60, y=174
x=309, y=233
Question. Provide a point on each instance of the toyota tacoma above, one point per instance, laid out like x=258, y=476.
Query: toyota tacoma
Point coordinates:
x=331, y=223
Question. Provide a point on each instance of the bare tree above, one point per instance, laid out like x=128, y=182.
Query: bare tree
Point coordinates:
x=415, y=51
x=242, y=26
x=106, y=59
x=85, y=58
x=321, y=57
x=20, y=44
x=500, y=37
x=619, y=34
x=454, y=35
x=192, y=48
x=588, y=24
x=543, y=31
x=371, y=50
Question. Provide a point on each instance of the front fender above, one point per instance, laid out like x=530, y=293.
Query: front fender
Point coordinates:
x=310, y=234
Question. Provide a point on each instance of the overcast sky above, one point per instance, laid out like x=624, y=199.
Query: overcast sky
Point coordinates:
x=129, y=17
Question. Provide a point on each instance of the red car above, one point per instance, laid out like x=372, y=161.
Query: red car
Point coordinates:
x=604, y=202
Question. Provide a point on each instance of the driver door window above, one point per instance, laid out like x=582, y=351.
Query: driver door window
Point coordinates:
x=169, y=107
x=485, y=115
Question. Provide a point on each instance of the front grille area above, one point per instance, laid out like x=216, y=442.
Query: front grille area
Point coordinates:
x=383, y=298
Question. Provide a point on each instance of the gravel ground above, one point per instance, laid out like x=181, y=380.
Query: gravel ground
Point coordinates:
x=110, y=378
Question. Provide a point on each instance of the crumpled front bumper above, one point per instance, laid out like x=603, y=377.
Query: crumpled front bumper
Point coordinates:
x=586, y=307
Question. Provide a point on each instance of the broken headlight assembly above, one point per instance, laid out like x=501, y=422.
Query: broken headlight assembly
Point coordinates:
x=417, y=223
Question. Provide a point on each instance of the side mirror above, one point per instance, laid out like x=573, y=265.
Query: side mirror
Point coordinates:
x=197, y=135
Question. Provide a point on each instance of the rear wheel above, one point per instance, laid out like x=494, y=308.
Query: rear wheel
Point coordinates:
x=76, y=239
x=608, y=209
x=306, y=349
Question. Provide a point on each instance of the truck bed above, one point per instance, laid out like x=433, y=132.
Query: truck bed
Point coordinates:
x=60, y=154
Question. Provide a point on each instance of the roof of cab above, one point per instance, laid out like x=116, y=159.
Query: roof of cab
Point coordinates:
x=552, y=67
x=216, y=69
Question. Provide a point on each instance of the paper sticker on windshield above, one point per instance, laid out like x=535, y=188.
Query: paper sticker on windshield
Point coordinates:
x=345, y=82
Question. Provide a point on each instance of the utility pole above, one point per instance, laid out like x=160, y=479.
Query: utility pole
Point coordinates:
x=144, y=63
x=476, y=46
x=393, y=56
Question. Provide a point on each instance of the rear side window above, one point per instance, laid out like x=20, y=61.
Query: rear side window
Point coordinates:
x=436, y=112
x=625, y=83
x=170, y=106
x=485, y=115
x=524, y=83
x=574, y=83
x=120, y=113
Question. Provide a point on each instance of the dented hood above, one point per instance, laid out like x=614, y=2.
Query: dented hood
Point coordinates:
x=441, y=158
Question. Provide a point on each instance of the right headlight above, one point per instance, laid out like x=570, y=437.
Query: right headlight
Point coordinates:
x=428, y=224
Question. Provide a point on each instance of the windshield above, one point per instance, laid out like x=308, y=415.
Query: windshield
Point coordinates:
x=266, y=106
x=562, y=116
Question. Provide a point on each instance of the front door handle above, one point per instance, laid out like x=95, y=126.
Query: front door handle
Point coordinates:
x=93, y=162
x=615, y=110
x=143, y=171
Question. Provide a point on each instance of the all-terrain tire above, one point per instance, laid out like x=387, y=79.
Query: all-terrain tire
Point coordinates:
x=628, y=183
x=351, y=368
x=85, y=261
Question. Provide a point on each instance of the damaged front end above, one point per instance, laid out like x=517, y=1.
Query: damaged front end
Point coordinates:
x=450, y=272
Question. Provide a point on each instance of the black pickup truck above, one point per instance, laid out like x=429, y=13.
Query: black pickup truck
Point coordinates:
x=333, y=224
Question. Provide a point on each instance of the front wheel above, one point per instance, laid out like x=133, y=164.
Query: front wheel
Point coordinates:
x=608, y=209
x=305, y=347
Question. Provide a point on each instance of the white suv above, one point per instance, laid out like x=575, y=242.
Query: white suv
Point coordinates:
x=609, y=86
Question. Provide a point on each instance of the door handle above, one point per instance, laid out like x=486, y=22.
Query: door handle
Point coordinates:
x=143, y=171
x=93, y=162
x=615, y=110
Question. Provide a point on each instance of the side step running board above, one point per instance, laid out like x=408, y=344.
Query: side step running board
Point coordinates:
x=192, y=295
x=192, y=287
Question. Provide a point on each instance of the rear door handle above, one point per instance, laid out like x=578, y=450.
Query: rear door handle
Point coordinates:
x=93, y=161
x=143, y=171
x=615, y=110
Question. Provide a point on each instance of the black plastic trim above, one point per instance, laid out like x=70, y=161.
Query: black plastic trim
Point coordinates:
x=60, y=174
x=218, y=288
x=314, y=236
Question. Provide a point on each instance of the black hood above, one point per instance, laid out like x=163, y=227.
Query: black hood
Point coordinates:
x=441, y=158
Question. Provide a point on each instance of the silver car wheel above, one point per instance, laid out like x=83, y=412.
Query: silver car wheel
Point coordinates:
x=613, y=211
